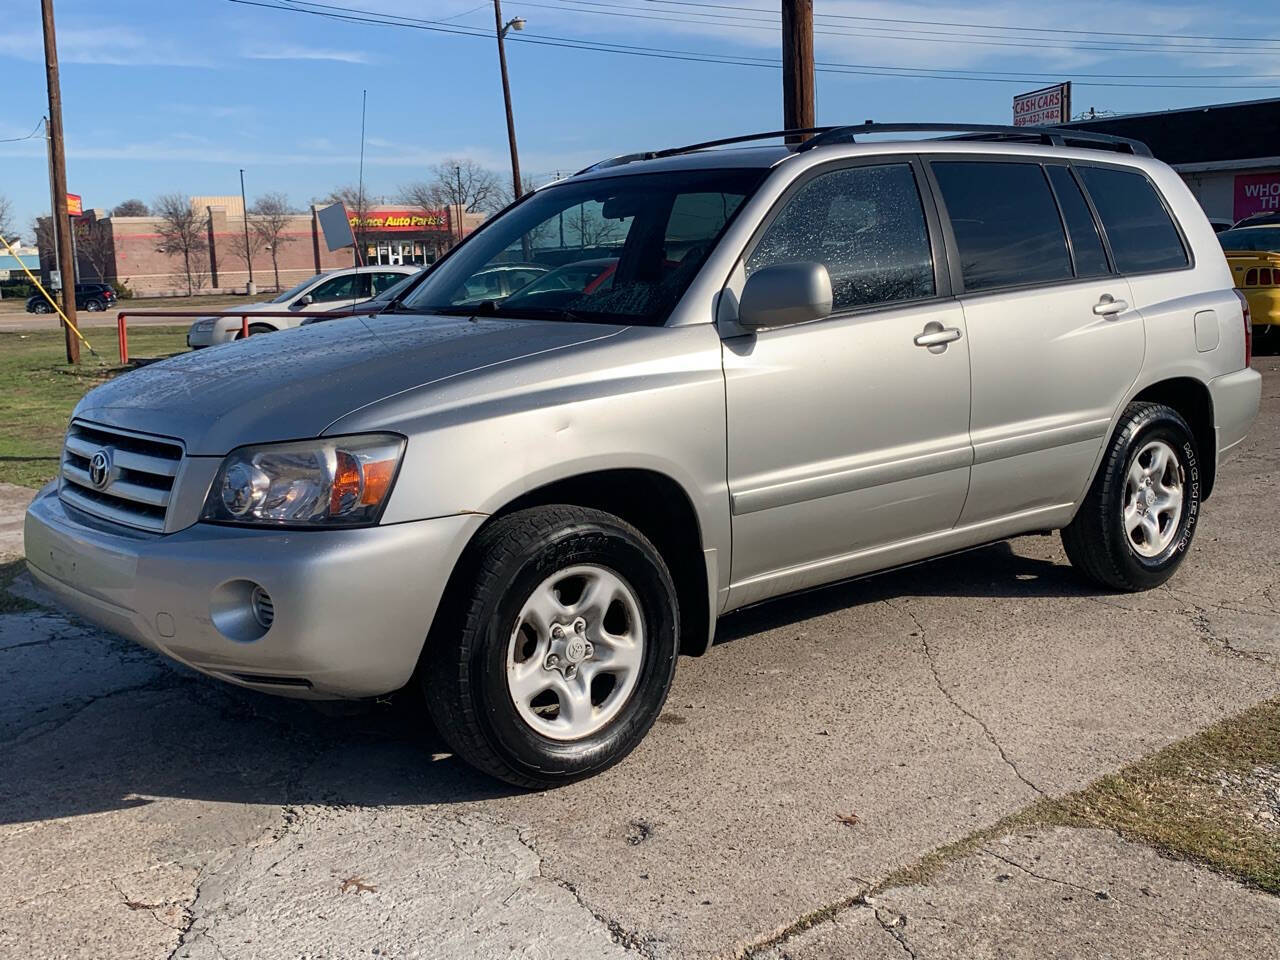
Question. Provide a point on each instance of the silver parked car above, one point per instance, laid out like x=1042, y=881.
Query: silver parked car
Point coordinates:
x=326, y=291
x=810, y=363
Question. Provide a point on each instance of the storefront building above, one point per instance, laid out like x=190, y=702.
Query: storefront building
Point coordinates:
x=132, y=250
x=1228, y=154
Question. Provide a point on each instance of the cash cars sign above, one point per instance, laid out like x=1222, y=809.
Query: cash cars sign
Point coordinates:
x=1040, y=107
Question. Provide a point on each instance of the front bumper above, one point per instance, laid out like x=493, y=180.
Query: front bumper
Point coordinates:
x=352, y=607
x=222, y=330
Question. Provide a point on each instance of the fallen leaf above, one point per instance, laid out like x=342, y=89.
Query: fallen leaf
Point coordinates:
x=848, y=819
x=356, y=885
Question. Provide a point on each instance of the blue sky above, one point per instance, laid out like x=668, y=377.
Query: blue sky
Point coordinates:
x=177, y=95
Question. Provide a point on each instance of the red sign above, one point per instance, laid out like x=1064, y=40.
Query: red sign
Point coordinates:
x=1040, y=107
x=75, y=208
x=411, y=220
x=1257, y=193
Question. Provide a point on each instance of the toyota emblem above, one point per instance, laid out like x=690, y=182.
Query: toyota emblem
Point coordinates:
x=100, y=469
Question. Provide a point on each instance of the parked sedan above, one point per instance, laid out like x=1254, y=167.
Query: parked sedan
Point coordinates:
x=387, y=298
x=89, y=296
x=323, y=292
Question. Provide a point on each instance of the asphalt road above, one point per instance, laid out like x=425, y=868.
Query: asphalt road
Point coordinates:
x=146, y=810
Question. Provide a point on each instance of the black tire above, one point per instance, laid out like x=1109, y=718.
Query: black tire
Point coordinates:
x=1096, y=541
x=41, y=306
x=464, y=663
x=95, y=306
x=257, y=328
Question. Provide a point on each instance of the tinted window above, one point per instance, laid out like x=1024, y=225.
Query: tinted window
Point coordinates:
x=1250, y=238
x=1086, y=246
x=866, y=225
x=1006, y=223
x=1142, y=236
x=339, y=288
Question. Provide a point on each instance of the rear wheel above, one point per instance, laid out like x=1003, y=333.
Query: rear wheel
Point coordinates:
x=41, y=306
x=95, y=306
x=554, y=654
x=1134, y=527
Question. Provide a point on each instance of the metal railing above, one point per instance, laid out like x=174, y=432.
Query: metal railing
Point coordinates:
x=122, y=329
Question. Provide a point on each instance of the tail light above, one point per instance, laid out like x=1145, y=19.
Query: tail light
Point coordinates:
x=1248, y=328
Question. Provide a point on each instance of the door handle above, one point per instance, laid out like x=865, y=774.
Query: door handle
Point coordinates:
x=936, y=335
x=1109, y=306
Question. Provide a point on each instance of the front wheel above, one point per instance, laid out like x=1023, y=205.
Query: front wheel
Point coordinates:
x=255, y=329
x=1136, y=523
x=41, y=306
x=556, y=650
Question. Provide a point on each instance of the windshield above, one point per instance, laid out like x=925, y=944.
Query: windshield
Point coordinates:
x=617, y=250
x=294, y=291
x=1251, y=238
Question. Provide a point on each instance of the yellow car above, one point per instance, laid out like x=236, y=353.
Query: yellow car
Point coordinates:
x=1254, y=256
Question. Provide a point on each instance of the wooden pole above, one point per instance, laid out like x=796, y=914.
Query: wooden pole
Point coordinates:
x=57, y=150
x=517, y=187
x=797, y=66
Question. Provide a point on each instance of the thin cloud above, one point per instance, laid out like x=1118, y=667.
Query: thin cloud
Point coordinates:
x=294, y=52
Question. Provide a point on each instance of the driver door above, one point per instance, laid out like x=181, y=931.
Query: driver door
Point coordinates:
x=845, y=436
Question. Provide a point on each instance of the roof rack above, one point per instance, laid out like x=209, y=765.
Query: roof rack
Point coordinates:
x=706, y=144
x=828, y=136
x=1048, y=136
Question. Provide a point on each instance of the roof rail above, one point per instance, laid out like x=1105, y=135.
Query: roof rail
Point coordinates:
x=1048, y=136
x=827, y=136
x=690, y=148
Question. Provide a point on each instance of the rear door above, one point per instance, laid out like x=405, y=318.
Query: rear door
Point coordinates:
x=1054, y=342
x=845, y=434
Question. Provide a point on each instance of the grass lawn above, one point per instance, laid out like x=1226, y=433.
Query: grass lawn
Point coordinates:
x=38, y=389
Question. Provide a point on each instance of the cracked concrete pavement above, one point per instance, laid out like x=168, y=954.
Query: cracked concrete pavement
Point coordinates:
x=149, y=812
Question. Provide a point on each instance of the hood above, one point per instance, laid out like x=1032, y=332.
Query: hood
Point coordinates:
x=294, y=384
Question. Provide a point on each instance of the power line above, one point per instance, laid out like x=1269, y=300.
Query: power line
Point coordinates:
x=978, y=26
x=356, y=15
x=906, y=35
x=29, y=136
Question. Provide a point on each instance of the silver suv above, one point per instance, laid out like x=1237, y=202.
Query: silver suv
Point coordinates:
x=807, y=363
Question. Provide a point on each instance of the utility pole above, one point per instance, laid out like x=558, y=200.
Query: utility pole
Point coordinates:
x=58, y=154
x=797, y=66
x=501, y=28
x=362, y=216
x=250, y=290
x=457, y=172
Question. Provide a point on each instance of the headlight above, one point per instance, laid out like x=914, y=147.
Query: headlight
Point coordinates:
x=344, y=481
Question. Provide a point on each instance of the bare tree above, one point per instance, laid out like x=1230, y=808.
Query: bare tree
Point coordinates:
x=131, y=208
x=247, y=247
x=183, y=233
x=270, y=215
x=6, y=219
x=95, y=243
x=458, y=184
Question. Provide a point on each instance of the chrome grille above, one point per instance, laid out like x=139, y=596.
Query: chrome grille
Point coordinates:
x=119, y=475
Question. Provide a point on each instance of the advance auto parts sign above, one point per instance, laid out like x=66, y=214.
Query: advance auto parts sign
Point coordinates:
x=401, y=221
x=1040, y=107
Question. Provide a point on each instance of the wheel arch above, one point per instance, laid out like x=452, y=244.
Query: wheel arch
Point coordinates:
x=660, y=508
x=1191, y=398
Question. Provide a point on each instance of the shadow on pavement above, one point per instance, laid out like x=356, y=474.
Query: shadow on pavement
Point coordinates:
x=91, y=723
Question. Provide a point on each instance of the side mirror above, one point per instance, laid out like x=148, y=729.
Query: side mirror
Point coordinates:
x=304, y=301
x=784, y=294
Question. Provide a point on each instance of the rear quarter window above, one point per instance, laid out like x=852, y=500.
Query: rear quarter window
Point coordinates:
x=1142, y=235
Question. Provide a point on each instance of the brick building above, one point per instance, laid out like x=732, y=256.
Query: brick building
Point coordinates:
x=130, y=250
